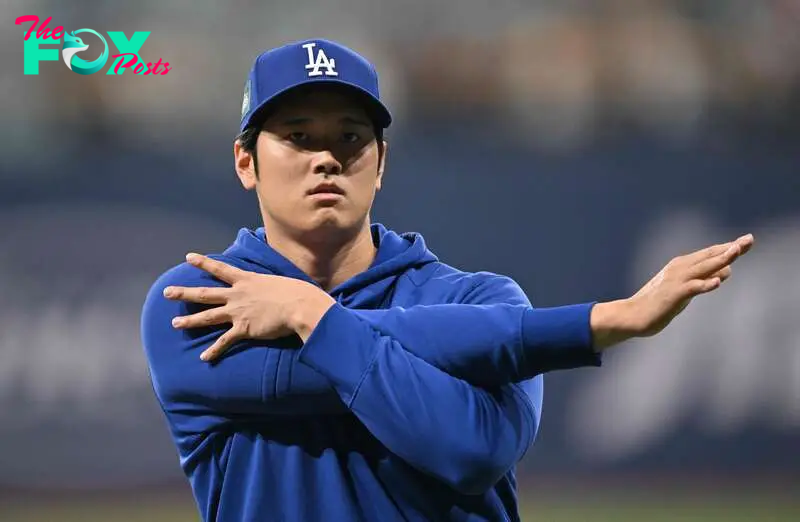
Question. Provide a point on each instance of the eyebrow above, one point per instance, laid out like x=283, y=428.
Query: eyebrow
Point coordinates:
x=345, y=119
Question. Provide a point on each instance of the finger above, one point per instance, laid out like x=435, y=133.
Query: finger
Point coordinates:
x=724, y=273
x=746, y=243
x=225, y=272
x=220, y=346
x=703, y=286
x=707, y=253
x=704, y=269
x=200, y=294
x=210, y=317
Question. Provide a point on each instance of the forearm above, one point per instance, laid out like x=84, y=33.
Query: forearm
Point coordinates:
x=463, y=435
x=485, y=345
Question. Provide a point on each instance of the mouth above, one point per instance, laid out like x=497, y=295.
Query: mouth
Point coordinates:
x=326, y=189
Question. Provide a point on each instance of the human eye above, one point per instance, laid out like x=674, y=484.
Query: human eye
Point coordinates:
x=351, y=137
x=297, y=137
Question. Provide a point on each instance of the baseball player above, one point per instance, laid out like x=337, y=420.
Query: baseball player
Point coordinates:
x=327, y=368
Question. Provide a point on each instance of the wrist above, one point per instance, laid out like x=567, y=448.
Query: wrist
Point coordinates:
x=610, y=324
x=307, y=309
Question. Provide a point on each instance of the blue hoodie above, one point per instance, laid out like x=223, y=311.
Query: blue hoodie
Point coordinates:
x=412, y=400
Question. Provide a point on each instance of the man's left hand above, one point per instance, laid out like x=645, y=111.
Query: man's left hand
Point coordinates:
x=258, y=306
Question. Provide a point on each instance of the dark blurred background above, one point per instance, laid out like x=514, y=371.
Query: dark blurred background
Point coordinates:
x=576, y=146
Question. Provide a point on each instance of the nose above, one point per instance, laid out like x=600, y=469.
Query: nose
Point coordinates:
x=326, y=163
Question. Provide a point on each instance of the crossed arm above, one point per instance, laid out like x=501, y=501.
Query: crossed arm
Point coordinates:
x=446, y=387
x=451, y=376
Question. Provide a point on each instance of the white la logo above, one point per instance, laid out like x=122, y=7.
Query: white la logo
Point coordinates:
x=314, y=65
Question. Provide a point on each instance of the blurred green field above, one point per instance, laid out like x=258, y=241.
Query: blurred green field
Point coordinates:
x=617, y=506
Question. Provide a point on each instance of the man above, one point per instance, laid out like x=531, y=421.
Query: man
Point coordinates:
x=326, y=368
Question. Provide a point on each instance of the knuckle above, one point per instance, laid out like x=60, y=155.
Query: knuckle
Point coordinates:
x=675, y=264
x=244, y=324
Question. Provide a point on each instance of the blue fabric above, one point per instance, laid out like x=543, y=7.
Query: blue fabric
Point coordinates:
x=413, y=399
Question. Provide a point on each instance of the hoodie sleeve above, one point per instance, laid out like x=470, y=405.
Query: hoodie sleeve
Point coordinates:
x=252, y=379
x=466, y=436
x=500, y=337
x=258, y=379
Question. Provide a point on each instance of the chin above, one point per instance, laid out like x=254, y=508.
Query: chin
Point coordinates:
x=321, y=219
x=319, y=224
x=330, y=221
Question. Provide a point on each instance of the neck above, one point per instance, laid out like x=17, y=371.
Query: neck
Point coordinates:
x=329, y=261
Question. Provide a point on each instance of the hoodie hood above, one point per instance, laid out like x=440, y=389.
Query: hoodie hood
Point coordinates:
x=373, y=288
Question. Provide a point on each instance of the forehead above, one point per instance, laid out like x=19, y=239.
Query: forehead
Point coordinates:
x=320, y=100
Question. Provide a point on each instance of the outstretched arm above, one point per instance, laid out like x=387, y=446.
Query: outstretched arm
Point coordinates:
x=491, y=350
x=500, y=334
x=376, y=363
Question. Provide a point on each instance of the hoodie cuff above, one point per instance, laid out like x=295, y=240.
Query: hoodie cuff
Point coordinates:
x=558, y=338
x=342, y=349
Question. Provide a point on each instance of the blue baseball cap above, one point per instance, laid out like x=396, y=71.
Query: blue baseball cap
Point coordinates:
x=279, y=70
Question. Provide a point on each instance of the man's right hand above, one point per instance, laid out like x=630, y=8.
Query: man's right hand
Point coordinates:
x=665, y=296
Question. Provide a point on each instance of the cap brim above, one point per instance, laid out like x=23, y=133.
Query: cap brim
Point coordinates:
x=377, y=110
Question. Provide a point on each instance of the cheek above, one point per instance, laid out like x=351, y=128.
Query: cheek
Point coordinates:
x=280, y=170
x=365, y=185
x=366, y=165
x=367, y=177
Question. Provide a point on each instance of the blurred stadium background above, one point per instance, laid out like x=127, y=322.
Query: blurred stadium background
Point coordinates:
x=573, y=145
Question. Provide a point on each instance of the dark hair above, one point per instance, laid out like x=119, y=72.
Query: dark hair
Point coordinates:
x=248, y=138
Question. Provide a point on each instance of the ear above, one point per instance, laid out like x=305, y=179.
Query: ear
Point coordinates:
x=381, y=166
x=245, y=166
